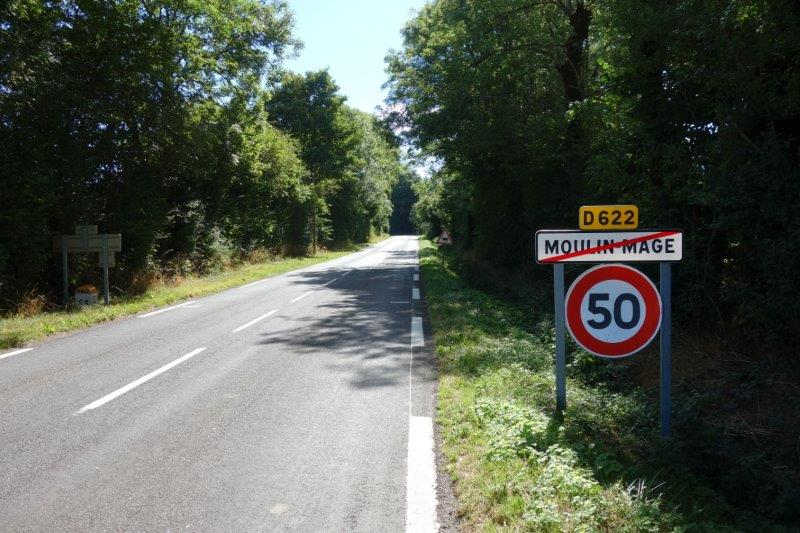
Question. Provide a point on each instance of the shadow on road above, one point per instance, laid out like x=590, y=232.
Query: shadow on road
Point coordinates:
x=362, y=323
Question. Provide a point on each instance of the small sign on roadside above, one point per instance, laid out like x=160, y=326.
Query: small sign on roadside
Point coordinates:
x=444, y=238
x=594, y=217
x=87, y=240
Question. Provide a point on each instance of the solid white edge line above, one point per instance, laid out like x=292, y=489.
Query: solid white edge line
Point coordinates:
x=255, y=321
x=301, y=296
x=151, y=313
x=415, y=293
x=421, y=501
x=133, y=384
x=421, y=480
x=15, y=352
x=416, y=332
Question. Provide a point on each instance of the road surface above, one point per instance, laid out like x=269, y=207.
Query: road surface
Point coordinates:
x=301, y=402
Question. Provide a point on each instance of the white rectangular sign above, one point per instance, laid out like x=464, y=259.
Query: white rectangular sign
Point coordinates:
x=571, y=246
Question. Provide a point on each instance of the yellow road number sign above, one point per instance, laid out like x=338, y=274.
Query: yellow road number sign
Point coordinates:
x=608, y=217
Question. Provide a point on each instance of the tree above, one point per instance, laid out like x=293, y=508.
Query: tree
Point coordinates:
x=351, y=164
x=488, y=88
x=403, y=199
x=97, y=116
x=362, y=205
x=310, y=109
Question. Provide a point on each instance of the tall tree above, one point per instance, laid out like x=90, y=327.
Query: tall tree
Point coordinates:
x=310, y=109
x=403, y=199
x=488, y=88
x=96, y=118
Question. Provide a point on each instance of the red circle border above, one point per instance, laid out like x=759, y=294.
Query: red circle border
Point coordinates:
x=590, y=278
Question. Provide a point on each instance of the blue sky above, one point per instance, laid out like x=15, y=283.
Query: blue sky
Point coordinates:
x=351, y=38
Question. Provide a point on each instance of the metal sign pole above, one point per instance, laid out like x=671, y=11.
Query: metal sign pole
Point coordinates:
x=105, y=268
x=558, y=296
x=64, y=267
x=665, y=282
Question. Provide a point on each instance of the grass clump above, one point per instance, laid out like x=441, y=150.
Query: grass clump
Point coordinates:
x=518, y=466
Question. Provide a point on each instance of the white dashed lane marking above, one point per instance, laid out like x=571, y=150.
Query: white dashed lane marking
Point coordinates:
x=15, y=352
x=255, y=321
x=184, y=304
x=133, y=384
x=301, y=296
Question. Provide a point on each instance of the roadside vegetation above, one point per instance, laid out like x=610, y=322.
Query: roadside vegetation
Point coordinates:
x=602, y=466
x=528, y=110
x=34, y=323
x=174, y=124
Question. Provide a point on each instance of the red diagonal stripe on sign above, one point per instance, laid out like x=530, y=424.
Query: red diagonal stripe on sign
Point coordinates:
x=609, y=246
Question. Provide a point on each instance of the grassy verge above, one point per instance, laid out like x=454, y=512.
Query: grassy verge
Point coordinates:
x=516, y=466
x=17, y=330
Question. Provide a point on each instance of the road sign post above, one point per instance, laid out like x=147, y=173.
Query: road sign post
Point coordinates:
x=561, y=348
x=665, y=348
x=612, y=310
x=64, y=268
x=87, y=240
x=104, y=261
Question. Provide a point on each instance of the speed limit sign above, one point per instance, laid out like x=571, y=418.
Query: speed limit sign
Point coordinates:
x=613, y=310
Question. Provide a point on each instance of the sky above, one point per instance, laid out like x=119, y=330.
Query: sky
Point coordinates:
x=351, y=38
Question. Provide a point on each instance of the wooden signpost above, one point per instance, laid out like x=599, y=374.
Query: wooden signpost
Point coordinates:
x=612, y=310
x=87, y=240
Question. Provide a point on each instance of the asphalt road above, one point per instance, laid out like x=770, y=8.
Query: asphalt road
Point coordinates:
x=294, y=403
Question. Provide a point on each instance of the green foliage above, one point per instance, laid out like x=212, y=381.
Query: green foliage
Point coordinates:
x=112, y=113
x=267, y=184
x=310, y=109
x=480, y=87
x=363, y=205
x=601, y=466
x=711, y=136
x=444, y=204
x=153, y=119
x=689, y=110
x=351, y=164
x=403, y=198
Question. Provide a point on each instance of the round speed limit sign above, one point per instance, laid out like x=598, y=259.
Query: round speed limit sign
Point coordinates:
x=613, y=310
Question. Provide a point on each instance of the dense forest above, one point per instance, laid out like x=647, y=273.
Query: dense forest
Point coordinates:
x=174, y=124
x=689, y=109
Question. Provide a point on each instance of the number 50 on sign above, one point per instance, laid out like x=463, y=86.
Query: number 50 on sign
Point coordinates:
x=613, y=310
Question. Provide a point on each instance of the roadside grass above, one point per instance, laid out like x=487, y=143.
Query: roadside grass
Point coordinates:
x=517, y=466
x=17, y=330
